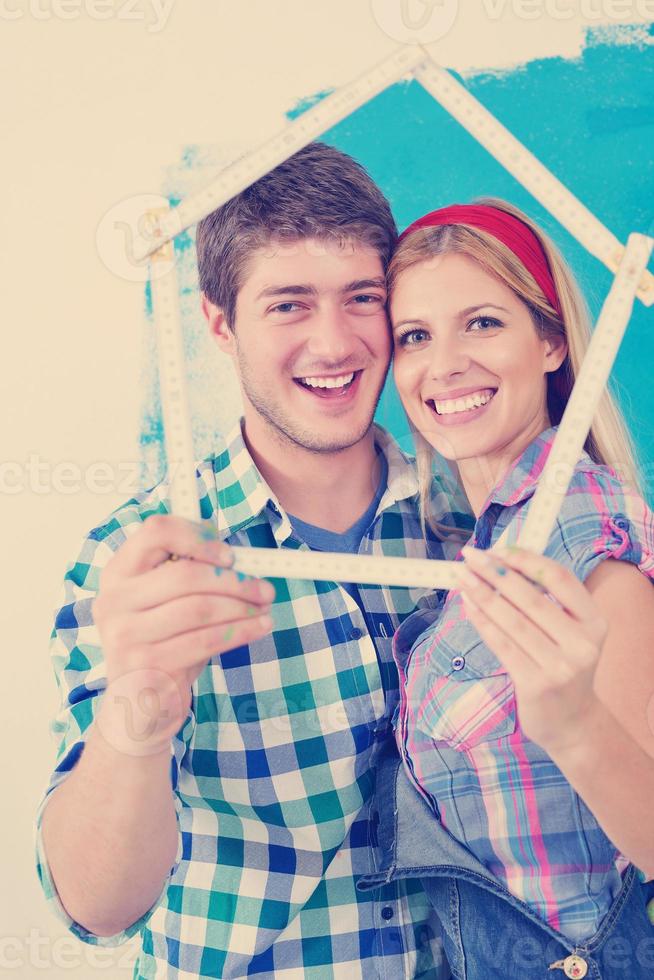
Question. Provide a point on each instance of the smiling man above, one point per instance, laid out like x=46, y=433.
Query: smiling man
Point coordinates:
x=311, y=345
x=230, y=831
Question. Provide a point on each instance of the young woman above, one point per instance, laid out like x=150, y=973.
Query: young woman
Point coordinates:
x=526, y=719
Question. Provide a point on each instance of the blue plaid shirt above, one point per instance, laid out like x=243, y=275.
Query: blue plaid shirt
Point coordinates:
x=273, y=770
x=496, y=791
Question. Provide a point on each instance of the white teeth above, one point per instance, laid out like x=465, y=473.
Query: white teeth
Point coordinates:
x=452, y=406
x=338, y=382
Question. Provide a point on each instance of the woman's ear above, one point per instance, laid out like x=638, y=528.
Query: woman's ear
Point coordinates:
x=218, y=326
x=556, y=349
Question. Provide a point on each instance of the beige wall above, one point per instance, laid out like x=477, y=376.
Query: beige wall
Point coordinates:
x=94, y=111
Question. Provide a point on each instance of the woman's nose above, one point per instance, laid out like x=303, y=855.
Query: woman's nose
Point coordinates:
x=448, y=357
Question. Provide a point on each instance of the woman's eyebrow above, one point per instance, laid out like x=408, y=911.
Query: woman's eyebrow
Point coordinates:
x=482, y=306
x=414, y=321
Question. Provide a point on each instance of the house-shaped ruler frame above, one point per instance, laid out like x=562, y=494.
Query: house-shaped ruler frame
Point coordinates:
x=631, y=279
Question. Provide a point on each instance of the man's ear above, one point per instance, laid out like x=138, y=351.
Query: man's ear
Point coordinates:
x=218, y=327
x=556, y=349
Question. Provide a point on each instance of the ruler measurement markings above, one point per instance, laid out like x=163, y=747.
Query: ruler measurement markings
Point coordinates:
x=545, y=187
x=301, y=131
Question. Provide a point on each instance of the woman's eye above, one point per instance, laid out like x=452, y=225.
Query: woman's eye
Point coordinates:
x=412, y=337
x=484, y=323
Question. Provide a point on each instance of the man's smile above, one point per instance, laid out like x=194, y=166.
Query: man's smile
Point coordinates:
x=330, y=386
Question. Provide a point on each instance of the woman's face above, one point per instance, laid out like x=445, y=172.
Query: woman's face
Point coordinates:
x=468, y=364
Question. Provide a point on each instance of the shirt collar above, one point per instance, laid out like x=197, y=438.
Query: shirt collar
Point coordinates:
x=242, y=494
x=522, y=478
x=402, y=480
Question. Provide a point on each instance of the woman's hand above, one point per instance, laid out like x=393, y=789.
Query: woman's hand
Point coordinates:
x=546, y=629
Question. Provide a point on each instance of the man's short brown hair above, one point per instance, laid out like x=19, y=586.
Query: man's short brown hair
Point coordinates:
x=319, y=192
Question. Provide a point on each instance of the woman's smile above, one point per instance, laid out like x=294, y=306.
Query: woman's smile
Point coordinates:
x=461, y=406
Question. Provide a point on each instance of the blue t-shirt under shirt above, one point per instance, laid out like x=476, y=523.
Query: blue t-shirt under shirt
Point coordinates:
x=320, y=539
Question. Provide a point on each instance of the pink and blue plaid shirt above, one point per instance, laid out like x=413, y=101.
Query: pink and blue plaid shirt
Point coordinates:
x=495, y=791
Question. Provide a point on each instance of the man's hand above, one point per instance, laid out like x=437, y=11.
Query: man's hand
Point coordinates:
x=160, y=623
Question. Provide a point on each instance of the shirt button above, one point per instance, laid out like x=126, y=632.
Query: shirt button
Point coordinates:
x=575, y=967
x=621, y=521
x=356, y=633
x=458, y=663
x=387, y=912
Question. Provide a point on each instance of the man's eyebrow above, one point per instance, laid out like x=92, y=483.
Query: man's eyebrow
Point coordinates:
x=304, y=289
x=291, y=290
x=378, y=282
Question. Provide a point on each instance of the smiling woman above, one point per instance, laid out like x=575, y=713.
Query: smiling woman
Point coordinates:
x=471, y=377
x=518, y=723
x=483, y=306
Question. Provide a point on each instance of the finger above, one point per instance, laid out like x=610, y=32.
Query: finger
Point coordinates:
x=560, y=582
x=173, y=580
x=526, y=596
x=515, y=660
x=181, y=616
x=199, y=646
x=162, y=535
x=512, y=622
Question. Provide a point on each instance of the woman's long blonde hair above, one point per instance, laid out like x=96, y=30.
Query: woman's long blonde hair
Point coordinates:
x=608, y=442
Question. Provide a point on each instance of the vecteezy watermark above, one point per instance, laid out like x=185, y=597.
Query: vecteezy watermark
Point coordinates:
x=43, y=952
x=515, y=955
x=127, y=230
x=140, y=711
x=140, y=707
x=415, y=21
x=424, y=21
x=586, y=10
x=43, y=477
x=154, y=13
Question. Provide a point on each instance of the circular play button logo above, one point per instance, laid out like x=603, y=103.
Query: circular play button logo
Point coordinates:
x=415, y=21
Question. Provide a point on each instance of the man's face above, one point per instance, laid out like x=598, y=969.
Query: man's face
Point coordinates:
x=311, y=342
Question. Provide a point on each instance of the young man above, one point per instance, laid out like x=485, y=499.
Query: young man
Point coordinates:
x=218, y=796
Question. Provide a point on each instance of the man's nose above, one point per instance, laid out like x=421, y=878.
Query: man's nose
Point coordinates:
x=332, y=336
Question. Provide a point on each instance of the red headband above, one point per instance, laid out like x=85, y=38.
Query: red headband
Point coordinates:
x=511, y=231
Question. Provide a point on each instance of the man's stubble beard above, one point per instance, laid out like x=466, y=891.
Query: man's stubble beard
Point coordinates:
x=286, y=431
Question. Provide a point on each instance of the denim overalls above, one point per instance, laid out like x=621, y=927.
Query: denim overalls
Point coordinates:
x=488, y=934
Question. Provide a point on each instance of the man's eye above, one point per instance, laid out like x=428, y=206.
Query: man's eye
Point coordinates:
x=366, y=298
x=285, y=308
x=367, y=304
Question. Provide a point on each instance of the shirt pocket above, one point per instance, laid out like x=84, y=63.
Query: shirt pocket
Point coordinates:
x=469, y=698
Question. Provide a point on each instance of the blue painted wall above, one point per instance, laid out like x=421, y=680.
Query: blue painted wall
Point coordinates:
x=590, y=120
